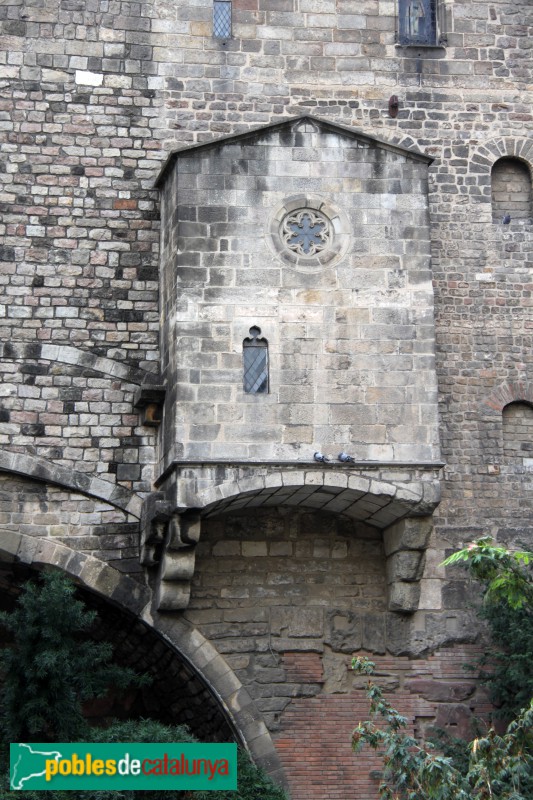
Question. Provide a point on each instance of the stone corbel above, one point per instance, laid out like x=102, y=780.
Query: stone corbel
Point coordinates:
x=155, y=515
x=405, y=545
x=176, y=567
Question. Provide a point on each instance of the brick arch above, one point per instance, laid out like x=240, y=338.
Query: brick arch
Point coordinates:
x=186, y=641
x=508, y=392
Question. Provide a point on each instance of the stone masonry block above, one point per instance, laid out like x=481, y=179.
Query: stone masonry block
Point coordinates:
x=297, y=622
x=412, y=533
x=404, y=566
x=404, y=596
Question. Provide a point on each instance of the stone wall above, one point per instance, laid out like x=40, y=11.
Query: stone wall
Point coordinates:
x=349, y=328
x=93, y=96
x=289, y=598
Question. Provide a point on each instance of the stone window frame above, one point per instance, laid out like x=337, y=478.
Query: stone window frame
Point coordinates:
x=483, y=156
x=437, y=37
x=339, y=233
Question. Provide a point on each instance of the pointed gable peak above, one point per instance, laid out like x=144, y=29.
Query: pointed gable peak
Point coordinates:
x=303, y=125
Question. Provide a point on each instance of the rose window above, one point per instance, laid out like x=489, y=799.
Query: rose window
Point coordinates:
x=306, y=232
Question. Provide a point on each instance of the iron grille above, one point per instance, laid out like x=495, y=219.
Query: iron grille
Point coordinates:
x=222, y=19
x=255, y=360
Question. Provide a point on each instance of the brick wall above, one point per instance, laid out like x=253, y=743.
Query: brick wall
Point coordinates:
x=517, y=433
x=289, y=598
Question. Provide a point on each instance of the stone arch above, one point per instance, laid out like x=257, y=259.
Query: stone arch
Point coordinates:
x=484, y=157
x=47, y=472
x=399, y=508
x=491, y=416
x=511, y=190
x=186, y=641
x=66, y=354
x=364, y=496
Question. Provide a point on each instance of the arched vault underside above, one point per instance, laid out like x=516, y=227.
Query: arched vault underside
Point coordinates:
x=397, y=499
x=378, y=495
x=192, y=684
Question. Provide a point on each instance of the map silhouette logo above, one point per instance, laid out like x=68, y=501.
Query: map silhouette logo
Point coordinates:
x=27, y=763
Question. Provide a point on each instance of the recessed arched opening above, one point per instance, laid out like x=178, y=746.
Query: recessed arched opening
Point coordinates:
x=518, y=433
x=175, y=694
x=288, y=595
x=511, y=191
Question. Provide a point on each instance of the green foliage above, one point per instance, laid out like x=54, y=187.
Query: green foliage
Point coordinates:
x=508, y=669
x=253, y=784
x=506, y=578
x=491, y=767
x=51, y=668
x=506, y=575
x=499, y=767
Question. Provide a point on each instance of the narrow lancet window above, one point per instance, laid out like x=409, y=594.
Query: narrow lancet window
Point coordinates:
x=222, y=19
x=255, y=362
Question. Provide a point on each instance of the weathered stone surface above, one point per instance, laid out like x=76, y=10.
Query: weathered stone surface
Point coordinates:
x=297, y=622
x=94, y=97
x=412, y=533
x=404, y=566
x=442, y=691
x=404, y=596
x=344, y=630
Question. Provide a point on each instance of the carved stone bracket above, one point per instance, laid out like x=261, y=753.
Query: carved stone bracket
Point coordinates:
x=168, y=541
x=177, y=561
x=155, y=516
x=405, y=545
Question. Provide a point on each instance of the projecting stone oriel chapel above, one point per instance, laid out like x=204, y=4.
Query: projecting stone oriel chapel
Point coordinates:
x=266, y=353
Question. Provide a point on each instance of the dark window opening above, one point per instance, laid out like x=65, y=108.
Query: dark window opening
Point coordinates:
x=222, y=19
x=417, y=21
x=255, y=361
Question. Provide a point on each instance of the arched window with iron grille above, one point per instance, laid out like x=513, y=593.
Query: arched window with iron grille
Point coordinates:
x=255, y=362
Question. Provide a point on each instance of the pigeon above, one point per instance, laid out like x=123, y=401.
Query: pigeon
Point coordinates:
x=345, y=458
x=506, y=219
x=320, y=457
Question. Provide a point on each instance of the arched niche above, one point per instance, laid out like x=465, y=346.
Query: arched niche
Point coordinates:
x=511, y=191
x=517, y=420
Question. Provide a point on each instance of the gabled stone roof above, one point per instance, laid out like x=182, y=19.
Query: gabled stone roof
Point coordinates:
x=255, y=133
